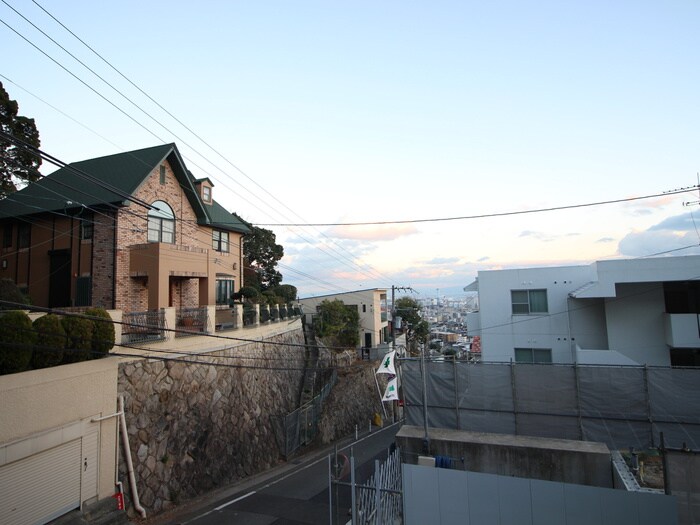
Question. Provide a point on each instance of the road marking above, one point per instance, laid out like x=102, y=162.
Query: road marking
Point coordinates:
x=235, y=500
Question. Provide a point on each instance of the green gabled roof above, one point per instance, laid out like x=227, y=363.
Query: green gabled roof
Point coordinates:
x=123, y=172
x=109, y=180
x=219, y=217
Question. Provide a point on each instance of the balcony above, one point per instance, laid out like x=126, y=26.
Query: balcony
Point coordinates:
x=682, y=330
x=156, y=258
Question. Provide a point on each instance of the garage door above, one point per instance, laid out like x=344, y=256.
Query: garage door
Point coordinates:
x=41, y=487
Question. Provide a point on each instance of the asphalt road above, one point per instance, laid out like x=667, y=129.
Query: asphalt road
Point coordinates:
x=297, y=495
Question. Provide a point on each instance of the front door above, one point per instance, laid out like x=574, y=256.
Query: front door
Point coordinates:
x=59, y=278
x=368, y=340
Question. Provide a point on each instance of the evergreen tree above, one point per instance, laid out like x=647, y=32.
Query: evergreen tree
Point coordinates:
x=17, y=166
x=261, y=254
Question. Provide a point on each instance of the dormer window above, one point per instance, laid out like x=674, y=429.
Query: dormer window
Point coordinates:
x=206, y=193
x=161, y=223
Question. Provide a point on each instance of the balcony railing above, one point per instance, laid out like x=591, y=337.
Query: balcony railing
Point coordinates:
x=191, y=321
x=141, y=327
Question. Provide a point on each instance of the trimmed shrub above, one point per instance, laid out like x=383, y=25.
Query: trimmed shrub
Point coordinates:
x=78, y=339
x=11, y=293
x=103, y=332
x=50, y=341
x=16, y=342
x=250, y=294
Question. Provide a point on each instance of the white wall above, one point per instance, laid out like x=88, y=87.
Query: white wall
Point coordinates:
x=635, y=320
x=502, y=331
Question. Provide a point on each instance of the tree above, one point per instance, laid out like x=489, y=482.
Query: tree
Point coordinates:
x=286, y=292
x=338, y=323
x=261, y=254
x=418, y=329
x=16, y=164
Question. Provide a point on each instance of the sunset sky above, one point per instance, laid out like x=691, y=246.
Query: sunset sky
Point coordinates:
x=328, y=113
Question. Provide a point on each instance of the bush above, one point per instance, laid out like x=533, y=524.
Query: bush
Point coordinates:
x=11, y=293
x=103, y=332
x=16, y=342
x=250, y=293
x=79, y=332
x=50, y=341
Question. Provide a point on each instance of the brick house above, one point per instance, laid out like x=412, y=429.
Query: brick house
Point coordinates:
x=134, y=231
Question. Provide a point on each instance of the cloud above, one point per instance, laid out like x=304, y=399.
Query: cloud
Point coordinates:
x=677, y=223
x=483, y=259
x=540, y=236
x=676, y=233
x=374, y=232
x=605, y=239
x=443, y=260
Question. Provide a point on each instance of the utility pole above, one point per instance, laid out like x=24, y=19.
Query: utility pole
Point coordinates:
x=393, y=311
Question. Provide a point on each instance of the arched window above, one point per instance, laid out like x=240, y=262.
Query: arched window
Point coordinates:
x=161, y=223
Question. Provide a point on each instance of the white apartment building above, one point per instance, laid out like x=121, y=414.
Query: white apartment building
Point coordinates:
x=620, y=312
x=371, y=304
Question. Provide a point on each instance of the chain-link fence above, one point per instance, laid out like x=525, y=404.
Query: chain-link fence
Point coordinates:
x=300, y=427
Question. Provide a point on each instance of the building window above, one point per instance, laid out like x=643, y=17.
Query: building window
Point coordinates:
x=219, y=241
x=529, y=301
x=533, y=355
x=162, y=173
x=364, y=308
x=7, y=236
x=224, y=290
x=161, y=223
x=87, y=227
x=24, y=235
x=206, y=193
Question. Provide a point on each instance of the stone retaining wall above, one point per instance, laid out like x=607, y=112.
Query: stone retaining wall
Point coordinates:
x=196, y=426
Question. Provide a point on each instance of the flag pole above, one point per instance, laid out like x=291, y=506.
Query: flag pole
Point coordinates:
x=381, y=397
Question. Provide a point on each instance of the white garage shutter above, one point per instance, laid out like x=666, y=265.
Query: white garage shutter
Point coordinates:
x=41, y=487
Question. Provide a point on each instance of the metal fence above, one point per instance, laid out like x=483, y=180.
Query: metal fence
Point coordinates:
x=379, y=499
x=300, y=427
x=142, y=327
x=619, y=406
x=191, y=321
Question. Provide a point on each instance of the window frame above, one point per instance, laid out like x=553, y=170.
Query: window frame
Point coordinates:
x=162, y=172
x=206, y=193
x=526, y=305
x=218, y=244
x=224, y=285
x=7, y=235
x=24, y=235
x=161, y=224
x=87, y=228
x=532, y=353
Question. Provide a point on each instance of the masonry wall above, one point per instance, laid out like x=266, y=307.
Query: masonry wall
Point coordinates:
x=193, y=427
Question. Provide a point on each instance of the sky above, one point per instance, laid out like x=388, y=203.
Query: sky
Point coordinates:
x=320, y=114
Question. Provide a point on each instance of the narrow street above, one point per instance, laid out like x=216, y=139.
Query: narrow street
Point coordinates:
x=296, y=496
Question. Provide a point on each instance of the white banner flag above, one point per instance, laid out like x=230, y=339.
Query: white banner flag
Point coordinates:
x=387, y=366
x=392, y=390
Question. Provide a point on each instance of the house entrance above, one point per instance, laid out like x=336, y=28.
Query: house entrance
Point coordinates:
x=59, y=278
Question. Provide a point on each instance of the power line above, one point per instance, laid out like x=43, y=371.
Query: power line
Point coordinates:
x=348, y=260
x=498, y=214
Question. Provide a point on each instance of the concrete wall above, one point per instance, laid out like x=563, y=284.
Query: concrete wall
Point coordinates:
x=447, y=497
x=501, y=331
x=579, y=462
x=635, y=320
x=38, y=402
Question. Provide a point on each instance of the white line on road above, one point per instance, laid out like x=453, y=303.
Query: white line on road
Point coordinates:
x=235, y=500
